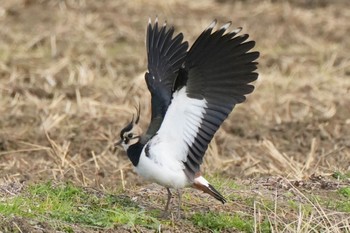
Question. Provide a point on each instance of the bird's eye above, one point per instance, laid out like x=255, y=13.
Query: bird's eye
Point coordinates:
x=130, y=135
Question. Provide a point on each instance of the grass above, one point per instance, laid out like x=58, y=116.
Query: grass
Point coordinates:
x=341, y=176
x=345, y=191
x=217, y=222
x=64, y=205
x=69, y=204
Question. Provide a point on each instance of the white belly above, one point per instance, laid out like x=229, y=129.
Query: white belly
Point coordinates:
x=170, y=175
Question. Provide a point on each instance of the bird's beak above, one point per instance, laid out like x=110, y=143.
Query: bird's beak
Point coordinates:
x=118, y=143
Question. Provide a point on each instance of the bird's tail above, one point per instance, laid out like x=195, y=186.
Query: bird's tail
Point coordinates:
x=202, y=184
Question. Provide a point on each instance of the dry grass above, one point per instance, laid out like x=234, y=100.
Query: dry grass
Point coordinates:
x=71, y=72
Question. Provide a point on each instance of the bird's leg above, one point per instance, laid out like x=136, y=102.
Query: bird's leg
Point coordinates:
x=179, y=207
x=167, y=203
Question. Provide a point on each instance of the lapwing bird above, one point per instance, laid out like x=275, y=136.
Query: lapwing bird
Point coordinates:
x=192, y=92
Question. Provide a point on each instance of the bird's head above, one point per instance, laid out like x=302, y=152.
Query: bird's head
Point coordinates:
x=131, y=133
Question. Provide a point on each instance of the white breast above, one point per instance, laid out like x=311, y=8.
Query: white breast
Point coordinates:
x=163, y=170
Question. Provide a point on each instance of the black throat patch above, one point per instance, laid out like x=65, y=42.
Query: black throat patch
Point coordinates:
x=134, y=153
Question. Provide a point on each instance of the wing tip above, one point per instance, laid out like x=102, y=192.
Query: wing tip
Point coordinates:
x=226, y=25
x=237, y=30
x=155, y=21
x=212, y=25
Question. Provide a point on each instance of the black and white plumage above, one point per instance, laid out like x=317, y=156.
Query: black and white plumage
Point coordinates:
x=193, y=91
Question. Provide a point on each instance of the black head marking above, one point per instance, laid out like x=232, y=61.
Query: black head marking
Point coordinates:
x=127, y=134
x=127, y=128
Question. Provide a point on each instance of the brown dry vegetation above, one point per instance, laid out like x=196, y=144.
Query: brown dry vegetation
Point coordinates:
x=71, y=72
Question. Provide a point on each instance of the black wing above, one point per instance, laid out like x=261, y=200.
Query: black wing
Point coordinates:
x=218, y=69
x=165, y=55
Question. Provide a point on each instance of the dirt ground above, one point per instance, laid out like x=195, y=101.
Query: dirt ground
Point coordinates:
x=71, y=72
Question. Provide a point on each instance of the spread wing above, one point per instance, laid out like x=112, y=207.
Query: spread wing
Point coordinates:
x=165, y=55
x=215, y=77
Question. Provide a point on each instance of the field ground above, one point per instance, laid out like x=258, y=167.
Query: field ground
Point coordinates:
x=71, y=72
